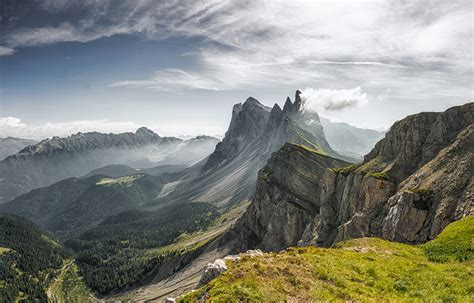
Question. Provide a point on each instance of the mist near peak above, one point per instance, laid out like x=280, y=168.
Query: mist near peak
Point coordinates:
x=332, y=100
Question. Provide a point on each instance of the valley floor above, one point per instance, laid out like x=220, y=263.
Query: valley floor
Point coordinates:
x=187, y=278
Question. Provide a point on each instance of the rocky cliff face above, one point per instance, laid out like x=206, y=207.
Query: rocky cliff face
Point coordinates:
x=58, y=158
x=286, y=198
x=409, y=187
x=255, y=132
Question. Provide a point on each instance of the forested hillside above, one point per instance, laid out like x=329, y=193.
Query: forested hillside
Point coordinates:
x=29, y=260
x=114, y=254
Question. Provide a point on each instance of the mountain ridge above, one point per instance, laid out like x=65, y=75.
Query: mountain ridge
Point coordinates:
x=12, y=145
x=58, y=158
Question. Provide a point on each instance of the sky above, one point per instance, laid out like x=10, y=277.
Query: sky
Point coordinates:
x=177, y=67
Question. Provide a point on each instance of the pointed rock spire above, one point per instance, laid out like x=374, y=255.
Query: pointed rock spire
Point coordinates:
x=297, y=99
x=276, y=110
x=288, y=105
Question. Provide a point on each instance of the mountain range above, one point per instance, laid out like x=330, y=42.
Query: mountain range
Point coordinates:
x=415, y=182
x=349, y=140
x=55, y=159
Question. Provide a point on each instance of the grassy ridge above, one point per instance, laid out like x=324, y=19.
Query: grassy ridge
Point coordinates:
x=69, y=286
x=362, y=270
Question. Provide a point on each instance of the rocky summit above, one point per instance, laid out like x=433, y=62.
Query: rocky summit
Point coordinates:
x=229, y=174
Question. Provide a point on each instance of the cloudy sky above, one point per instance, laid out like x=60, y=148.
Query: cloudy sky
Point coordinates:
x=179, y=66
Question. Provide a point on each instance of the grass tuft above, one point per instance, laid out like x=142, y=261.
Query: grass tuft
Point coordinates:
x=380, y=175
x=346, y=170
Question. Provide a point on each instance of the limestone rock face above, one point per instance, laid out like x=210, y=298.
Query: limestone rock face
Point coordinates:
x=286, y=199
x=416, y=180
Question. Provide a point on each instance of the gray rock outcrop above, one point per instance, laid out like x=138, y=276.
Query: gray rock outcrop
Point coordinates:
x=212, y=270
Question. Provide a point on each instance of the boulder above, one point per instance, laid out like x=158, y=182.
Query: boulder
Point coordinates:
x=212, y=270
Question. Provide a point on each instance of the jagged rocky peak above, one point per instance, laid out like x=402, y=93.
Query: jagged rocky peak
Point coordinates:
x=247, y=124
x=291, y=108
x=248, y=120
x=276, y=114
x=296, y=110
x=298, y=100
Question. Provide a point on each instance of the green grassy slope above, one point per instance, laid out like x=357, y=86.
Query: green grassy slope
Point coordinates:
x=361, y=270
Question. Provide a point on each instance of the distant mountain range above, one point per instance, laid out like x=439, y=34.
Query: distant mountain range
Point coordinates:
x=55, y=159
x=349, y=140
x=228, y=175
x=10, y=146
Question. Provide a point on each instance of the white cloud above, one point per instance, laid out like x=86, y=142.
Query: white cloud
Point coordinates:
x=64, y=32
x=10, y=122
x=299, y=43
x=5, y=51
x=14, y=127
x=172, y=79
x=329, y=100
